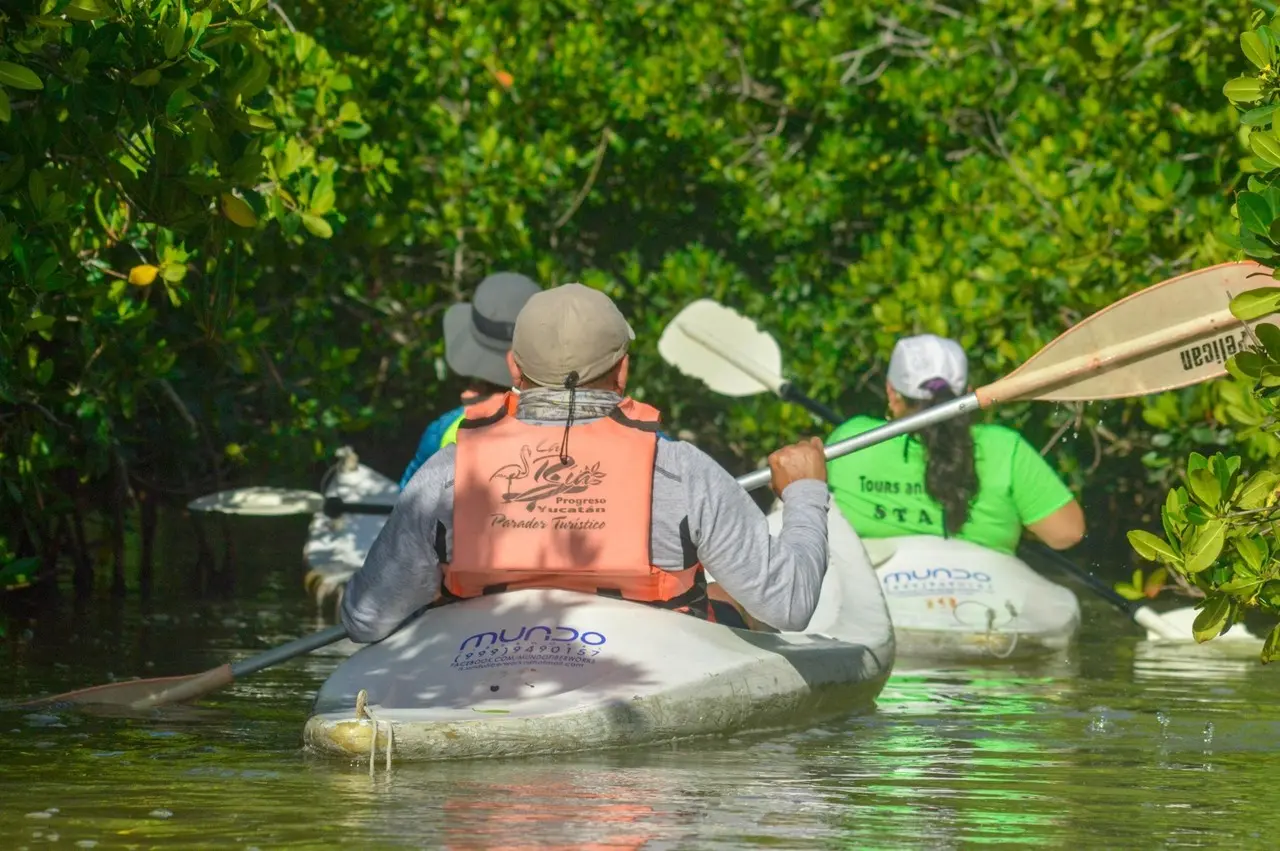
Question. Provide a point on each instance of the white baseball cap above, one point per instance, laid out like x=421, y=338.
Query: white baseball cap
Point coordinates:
x=919, y=362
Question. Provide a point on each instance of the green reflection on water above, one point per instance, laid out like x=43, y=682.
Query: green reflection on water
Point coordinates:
x=1106, y=747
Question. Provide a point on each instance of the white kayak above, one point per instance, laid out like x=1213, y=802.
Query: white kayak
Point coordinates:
x=336, y=546
x=546, y=671
x=955, y=600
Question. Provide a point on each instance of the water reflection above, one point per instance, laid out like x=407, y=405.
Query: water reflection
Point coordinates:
x=1116, y=743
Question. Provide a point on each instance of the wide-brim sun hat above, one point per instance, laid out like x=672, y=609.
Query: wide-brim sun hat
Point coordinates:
x=478, y=334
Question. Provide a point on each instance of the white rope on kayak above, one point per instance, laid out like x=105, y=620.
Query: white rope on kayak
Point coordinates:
x=364, y=713
x=992, y=628
x=991, y=619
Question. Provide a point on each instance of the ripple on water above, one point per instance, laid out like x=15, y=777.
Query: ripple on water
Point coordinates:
x=1108, y=746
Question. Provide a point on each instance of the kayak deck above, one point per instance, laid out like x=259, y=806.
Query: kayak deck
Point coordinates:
x=954, y=600
x=547, y=671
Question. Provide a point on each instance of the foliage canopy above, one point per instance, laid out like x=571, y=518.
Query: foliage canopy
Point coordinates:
x=230, y=228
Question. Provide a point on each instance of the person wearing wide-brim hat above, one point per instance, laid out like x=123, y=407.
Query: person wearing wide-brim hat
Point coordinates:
x=568, y=484
x=477, y=337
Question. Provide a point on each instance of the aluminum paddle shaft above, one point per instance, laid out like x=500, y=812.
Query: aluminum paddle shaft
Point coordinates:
x=915, y=422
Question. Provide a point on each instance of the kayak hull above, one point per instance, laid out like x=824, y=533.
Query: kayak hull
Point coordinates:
x=953, y=600
x=336, y=546
x=548, y=671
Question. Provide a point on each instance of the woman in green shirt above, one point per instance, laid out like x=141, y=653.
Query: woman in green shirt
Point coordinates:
x=980, y=483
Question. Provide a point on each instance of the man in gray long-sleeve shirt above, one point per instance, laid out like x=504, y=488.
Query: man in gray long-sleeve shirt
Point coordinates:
x=573, y=332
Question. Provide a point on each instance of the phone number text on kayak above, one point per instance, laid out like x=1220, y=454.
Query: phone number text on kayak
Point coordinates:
x=564, y=655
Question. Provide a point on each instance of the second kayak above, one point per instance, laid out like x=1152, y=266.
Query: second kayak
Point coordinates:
x=955, y=600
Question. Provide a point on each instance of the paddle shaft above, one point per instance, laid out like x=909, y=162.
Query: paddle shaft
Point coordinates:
x=335, y=507
x=224, y=675
x=297, y=647
x=913, y=422
x=789, y=393
x=1141, y=614
x=1095, y=584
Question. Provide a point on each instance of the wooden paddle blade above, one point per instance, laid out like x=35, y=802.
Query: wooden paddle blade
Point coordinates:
x=260, y=502
x=723, y=349
x=1173, y=334
x=139, y=694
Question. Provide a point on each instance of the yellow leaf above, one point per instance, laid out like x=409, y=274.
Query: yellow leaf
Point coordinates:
x=238, y=211
x=143, y=276
x=86, y=10
x=317, y=225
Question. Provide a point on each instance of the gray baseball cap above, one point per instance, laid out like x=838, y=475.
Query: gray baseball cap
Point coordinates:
x=477, y=335
x=569, y=329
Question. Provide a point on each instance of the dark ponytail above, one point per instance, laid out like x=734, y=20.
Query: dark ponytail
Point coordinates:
x=950, y=476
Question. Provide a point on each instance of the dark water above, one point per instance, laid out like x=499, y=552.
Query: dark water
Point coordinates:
x=1111, y=746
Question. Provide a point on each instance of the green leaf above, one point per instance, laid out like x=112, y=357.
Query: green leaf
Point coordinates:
x=1224, y=469
x=149, y=77
x=1248, y=364
x=1195, y=515
x=1255, y=304
x=1213, y=618
x=1124, y=589
x=1259, y=116
x=1269, y=336
x=1205, y=546
x=17, y=76
x=1265, y=146
x=1255, y=213
x=1256, y=490
x=1205, y=487
x=36, y=189
x=39, y=323
x=323, y=197
x=1268, y=37
x=6, y=112
x=317, y=225
x=1254, y=50
x=1271, y=647
x=172, y=37
x=1243, y=90
x=87, y=10
x=1151, y=547
x=1243, y=587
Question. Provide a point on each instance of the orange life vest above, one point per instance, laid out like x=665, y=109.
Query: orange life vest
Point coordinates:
x=523, y=517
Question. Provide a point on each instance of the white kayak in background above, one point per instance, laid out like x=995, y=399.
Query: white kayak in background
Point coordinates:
x=336, y=546
x=955, y=600
x=548, y=671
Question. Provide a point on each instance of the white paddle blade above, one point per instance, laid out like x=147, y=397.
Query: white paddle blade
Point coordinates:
x=723, y=349
x=1173, y=334
x=260, y=502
